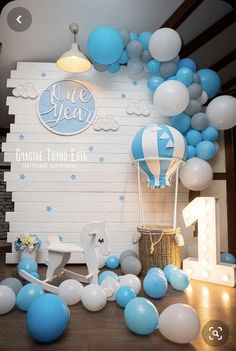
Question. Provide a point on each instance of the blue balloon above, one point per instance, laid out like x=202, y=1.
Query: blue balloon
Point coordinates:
x=210, y=134
x=155, y=285
x=28, y=265
x=172, y=78
x=227, y=257
x=191, y=151
x=154, y=82
x=168, y=269
x=153, y=66
x=179, y=280
x=141, y=316
x=112, y=262
x=124, y=295
x=35, y=274
x=193, y=137
x=210, y=81
x=144, y=38
x=106, y=274
x=185, y=75
x=27, y=295
x=124, y=58
x=133, y=36
x=114, y=67
x=105, y=45
x=206, y=150
x=155, y=270
x=181, y=122
x=187, y=63
x=47, y=318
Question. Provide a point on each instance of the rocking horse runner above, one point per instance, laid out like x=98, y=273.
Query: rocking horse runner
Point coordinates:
x=92, y=235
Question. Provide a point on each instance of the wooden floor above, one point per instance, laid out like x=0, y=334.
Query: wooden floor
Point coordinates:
x=106, y=330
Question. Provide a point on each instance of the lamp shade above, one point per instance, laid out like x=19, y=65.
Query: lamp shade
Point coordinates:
x=74, y=61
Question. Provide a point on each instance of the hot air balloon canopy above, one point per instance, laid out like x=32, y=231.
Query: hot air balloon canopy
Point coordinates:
x=159, y=149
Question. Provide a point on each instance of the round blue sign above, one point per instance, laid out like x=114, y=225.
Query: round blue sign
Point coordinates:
x=67, y=107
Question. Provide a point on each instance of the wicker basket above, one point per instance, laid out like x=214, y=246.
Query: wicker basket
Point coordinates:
x=157, y=247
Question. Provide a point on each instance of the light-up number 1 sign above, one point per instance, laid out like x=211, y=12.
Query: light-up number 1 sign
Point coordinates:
x=207, y=267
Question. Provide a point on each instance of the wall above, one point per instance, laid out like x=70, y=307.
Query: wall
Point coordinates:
x=102, y=190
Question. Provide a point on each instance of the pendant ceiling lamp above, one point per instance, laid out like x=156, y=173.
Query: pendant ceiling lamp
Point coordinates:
x=74, y=60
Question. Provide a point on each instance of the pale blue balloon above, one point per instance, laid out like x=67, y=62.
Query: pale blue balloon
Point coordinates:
x=155, y=270
x=210, y=134
x=153, y=66
x=133, y=36
x=107, y=274
x=112, y=262
x=155, y=285
x=227, y=257
x=114, y=67
x=179, y=280
x=206, y=150
x=193, y=137
x=141, y=316
x=27, y=295
x=124, y=295
x=154, y=82
x=124, y=58
x=168, y=269
x=181, y=122
x=191, y=151
x=210, y=81
x=185, y=75
x=28, y=265
x=144, y=38
x=187, y=63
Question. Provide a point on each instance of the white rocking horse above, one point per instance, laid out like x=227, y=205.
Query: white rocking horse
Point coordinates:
x=92, y=235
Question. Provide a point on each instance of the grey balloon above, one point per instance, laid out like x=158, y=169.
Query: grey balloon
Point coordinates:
x=125, y=36
x=13, y=283
x=193, y=107
x=131, y=265
x=100, y=68
x=199, y=121
x=195, y=91
x=196, y=78
x=134, y=49
x=135, y=66
x=168, y=69
x=146, y=56
x=127, y=253
x=176, y=59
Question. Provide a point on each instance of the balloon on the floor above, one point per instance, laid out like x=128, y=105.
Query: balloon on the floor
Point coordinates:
x=112, y=262
x=7, y=299
x=71, y=290
x=113, y=284
x=13, y=283
x=155, y=285
x=94, y=297
x=123, y=295
x=141, y=316
x=106, y=274
x=179, y=323
x=168, y=269
x=126, y=253
x=179, y=280
x=28, y=265
x=47, y=318
x=132, y=281
x=27, y=295
x=131, y=265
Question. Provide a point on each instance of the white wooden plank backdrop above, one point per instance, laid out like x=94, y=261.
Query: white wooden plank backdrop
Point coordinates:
x=100, y=190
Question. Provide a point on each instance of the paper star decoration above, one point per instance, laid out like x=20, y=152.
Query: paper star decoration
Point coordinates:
x=91, y=148
x=123, y=95
x=43, y=74
x=49, y=209
x=22, y=177
x=73, y=177
x=135, y=83
x=61, y=238
x=122, y=197
x=21, y=137
x=101, y=159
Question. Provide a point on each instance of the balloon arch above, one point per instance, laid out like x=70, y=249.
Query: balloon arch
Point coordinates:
x=180, y=91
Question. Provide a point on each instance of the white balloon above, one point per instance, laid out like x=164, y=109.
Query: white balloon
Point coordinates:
x=179, y=323
x=132, y=281
x=7, y=299
x=221, y=112
x=71, y=291
x=101, y=258
x=196, y=174
x=203, y=98
x=171, y=97
x=113, y=284
x=165, y=44
x=94, y=297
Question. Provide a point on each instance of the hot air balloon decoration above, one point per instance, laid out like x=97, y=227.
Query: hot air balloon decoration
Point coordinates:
x=159, y=150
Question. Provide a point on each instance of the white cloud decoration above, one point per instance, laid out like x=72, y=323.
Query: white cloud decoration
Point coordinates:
x=138, y=108
x=26, y=91
x=106, y=123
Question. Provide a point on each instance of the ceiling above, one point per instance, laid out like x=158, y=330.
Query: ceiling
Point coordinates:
x=48, y=36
